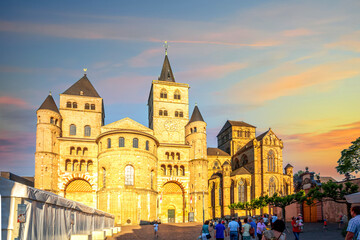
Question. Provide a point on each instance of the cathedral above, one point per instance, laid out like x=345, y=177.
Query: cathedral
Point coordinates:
x=163, y=171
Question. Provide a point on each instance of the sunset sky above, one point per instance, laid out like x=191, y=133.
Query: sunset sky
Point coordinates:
x=293, y=66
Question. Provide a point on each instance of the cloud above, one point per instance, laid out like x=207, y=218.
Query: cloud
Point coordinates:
x=334, y=139
x=297, y=32
x=145, y=59
x=211, y=71
x=274, y=83
x=350, y=42
x=18, y=102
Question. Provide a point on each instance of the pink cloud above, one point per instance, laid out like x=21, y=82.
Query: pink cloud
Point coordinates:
x=297, y=32
x=349, y=42
x=6, y=100
x=212, y=71
x=145, y=58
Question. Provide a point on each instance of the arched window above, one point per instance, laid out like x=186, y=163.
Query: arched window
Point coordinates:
x=163, y=93
x=152, y=179
x=85, y=151
x=82, y=166
x=52, y=120
x=78, y=151
x=74, y=105
x=103, y=177
x=56, y=122
x=160, y=112
x=108, y=143
x=241, y=191
x=272, y=186
x=167, y=155
x=68, y=104
x=195, y=130
x=178, y=156
x=244, y=160
x=165, y=113
x=87, y=131
x=176, y=170
x=72, y=150
x=92, y=106
x=271, y=161
x=75, y=165
x=181, y=114
x=173, y=156
x=177, y=95
x=72, y=130
x=147, y=145
x=191, y=130
x=169, y=170
x=87, y=106
x=121, y=142
x=176, y=114
x=135, y=143
x=163, y=170
x=129, y=175
x=182, y=171
x=68, y=165
x=89, y=166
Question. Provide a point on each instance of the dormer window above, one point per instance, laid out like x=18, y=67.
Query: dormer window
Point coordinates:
x=81, y=93
x=68, y=104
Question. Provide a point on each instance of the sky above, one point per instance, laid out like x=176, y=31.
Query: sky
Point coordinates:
x=293, y=66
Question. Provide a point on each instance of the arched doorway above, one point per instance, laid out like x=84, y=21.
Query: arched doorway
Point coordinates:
x=172, y=206
x=80, y=190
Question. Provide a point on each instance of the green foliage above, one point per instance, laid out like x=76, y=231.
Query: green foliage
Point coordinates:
x=349, y=161
x=283, y=201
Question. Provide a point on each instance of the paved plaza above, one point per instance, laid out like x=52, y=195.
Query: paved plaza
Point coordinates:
x=192, y=230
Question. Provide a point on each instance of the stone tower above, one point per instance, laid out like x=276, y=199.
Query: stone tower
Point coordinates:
x=168, y=107
x=198, y=164
x=48, y=131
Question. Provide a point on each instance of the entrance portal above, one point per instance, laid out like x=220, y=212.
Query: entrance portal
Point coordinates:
x=171, y=215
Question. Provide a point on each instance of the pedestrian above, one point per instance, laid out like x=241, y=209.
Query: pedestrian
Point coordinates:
x=296, y=228
x=219, y=231
x=260, y=228
x=325, y=223
x=266, y=219
x=301, y=222
x=341, y=221
x=277, y=231
x=156, y=229
x=240, y=227
x=252, y=223
x=233, y=229
x=205, y=229
x=353, y=228
x=246, y=230
x=270, y=220
x=274, y=218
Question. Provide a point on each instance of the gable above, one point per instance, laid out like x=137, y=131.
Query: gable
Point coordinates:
x=128, y=124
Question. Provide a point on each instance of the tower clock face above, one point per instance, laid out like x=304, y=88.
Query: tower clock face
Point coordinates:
x=170, y=126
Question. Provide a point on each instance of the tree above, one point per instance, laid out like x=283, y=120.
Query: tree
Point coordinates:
x=249, y=206
x=349, y=161
x=331, y=191
x=283, y=201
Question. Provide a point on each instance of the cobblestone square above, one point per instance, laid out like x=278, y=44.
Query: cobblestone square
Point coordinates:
x=192, y=230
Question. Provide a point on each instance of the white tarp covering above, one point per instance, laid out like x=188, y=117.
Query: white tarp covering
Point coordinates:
x=353, y=198
x=48, y=216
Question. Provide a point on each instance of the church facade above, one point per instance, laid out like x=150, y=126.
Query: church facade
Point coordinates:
x=161, y=172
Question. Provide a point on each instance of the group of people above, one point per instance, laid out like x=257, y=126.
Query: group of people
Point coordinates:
x=250, y=229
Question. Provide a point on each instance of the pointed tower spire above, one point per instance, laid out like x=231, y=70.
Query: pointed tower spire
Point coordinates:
x=49, y=104
x=166, y=72
x=196, y=115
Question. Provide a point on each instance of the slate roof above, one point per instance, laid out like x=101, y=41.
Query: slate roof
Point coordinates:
x=49, y=104
x=83, y=85
x=261, y=136
x=196, y=115
x=288, y=165
x=216, y=152
x=326, y=179
x=240, y=171
x=230, y=123
x=166, y=72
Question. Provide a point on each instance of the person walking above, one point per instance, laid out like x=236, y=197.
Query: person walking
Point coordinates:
x=246, y=230
x=252, y=223
x=277, y=231
x=205, y=229
x=233, y=229
x=156, y=229
x=266, y=219
x=260, y=228
x=296, y=228
x=353, y=228
x=219, y=231
x=240, y=227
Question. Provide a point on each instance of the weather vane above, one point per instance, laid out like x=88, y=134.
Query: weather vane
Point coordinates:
x=166, y=47
x=85, y=69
